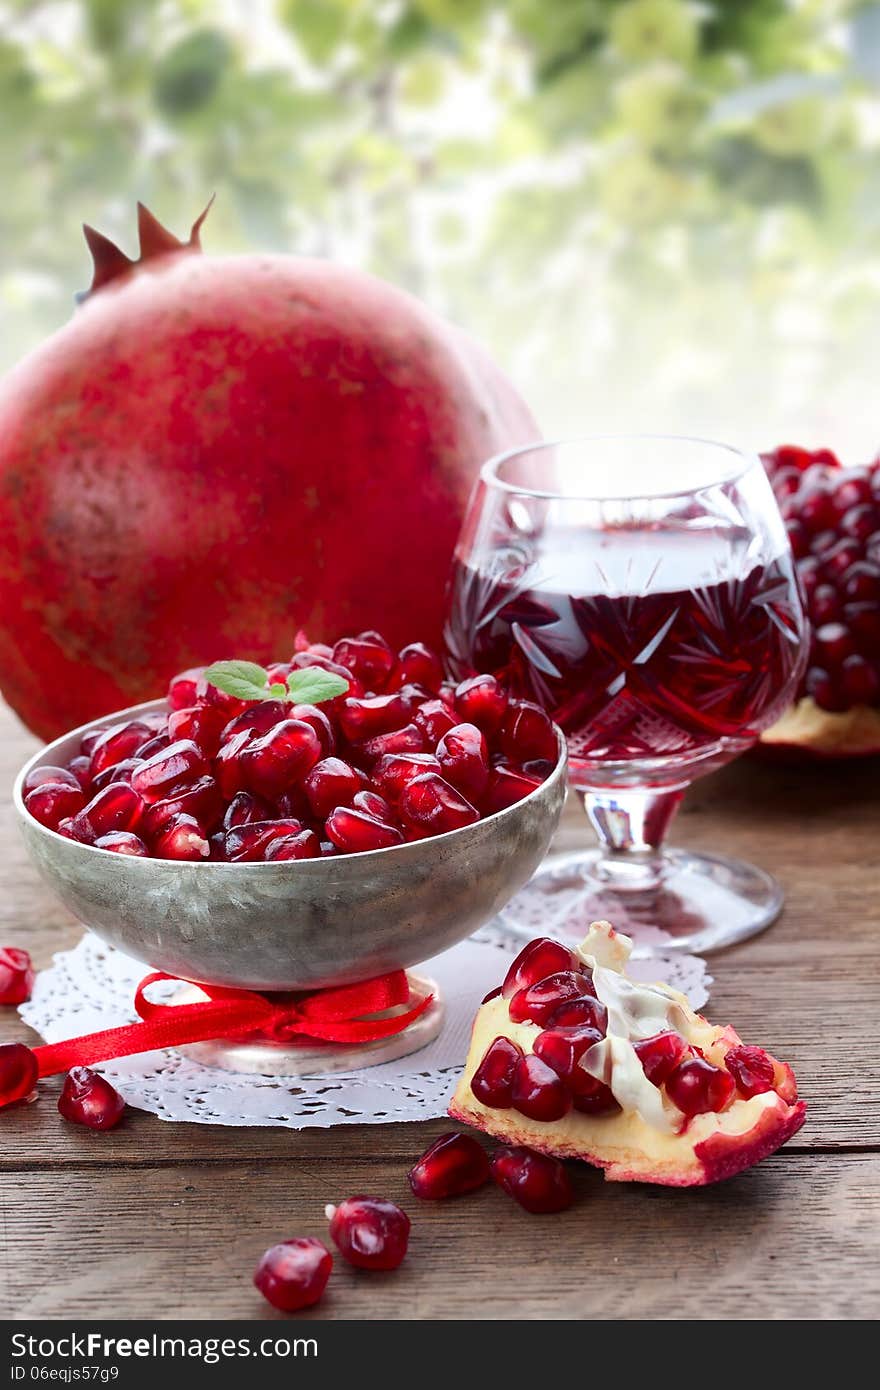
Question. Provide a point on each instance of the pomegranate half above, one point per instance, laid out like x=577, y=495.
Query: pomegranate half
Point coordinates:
x=215, y=452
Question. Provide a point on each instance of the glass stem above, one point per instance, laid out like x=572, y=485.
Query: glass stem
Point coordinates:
x=631, y=826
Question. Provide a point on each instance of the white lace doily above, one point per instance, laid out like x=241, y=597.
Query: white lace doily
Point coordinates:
x=92, y=987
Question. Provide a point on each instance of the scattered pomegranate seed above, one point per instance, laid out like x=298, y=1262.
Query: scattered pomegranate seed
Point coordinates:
x=355, y=832
x=492, y=1082
x=16, y=975
x=538, y=1001
x=753, y=1070
x=697, y=1086
x=453, y=1165
x=123, y=842
x=89, y=1099
x=539, y=1183
x=52, y=802
x=537, y=1091
x=370, y=1232
x=293, y=1274
x=660, y=1055
x=18, y=1073
x=537, y=960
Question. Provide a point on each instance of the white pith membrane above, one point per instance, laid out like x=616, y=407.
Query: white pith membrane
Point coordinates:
x=649, y=1139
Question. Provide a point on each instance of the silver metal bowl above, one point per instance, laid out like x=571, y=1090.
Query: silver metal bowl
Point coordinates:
x=295, y=925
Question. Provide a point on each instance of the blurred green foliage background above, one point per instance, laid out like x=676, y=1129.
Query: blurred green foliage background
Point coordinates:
x=654, y=212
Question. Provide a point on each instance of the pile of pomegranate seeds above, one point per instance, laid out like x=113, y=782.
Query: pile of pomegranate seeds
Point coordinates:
x=832, y=516
x=244, y=768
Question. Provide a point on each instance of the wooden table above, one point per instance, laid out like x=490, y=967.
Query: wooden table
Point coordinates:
x=167, y=1220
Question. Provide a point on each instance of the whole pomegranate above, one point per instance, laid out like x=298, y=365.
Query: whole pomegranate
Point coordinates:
x=217, y=451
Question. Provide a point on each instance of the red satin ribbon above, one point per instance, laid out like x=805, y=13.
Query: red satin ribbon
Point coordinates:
x=346, y=1014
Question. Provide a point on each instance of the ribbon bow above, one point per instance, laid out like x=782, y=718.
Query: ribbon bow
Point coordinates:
x=343, y=1014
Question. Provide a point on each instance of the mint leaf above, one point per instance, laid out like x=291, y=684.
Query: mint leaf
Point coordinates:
x=278, y=691
x=313, y=685
x=245, y=680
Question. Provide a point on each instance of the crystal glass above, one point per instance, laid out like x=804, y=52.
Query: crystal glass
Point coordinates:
x=642, y=590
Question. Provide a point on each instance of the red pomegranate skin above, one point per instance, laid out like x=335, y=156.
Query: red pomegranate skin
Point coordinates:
x=216, y=452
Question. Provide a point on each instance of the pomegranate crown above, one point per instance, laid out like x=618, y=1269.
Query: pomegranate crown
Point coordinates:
x=154, y=241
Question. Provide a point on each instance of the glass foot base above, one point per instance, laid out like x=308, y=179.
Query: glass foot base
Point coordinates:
x=703, y=901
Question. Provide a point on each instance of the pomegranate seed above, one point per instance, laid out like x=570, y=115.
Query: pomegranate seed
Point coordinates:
x=182, y=689
x=229, y=767
x=860, y=681
x=182, y=838
x=364, y=718
x=464, y=760
x=537, y=960
x=492, y=1082
x=293, y=1274
x=53, y=802
x=355, y=832
x=256, y=719
x=854, y=489
x=835, y=644
x=370, y=1232
x=527, y=733
x=368, y=657
x=863, y=619
x=434, y=719
x=537, y=1091
x=660, y=1055
x=244, y=809
x=169, y=770
x=88, y=1099
x=507, y=785
x=430, y=806
x=563, y=1048
x=586, y=1010
x=200, y=724
x=819, y=685
x=824, y=605
x=817, y=510
x=482, y=701
x=539, y=1183
x=117, y=807
x=305, y=845
x=330, y=783
x=861, y=583
x=248, y=842
x=374, y=805
x=155, y=745
x=202, y=801
x=277, y=672
x=392, y=772
x=859, y=522
x=123, y=842
x=118, y=772
x=538, y=1001
x=453, y=1165
x=320, y=722
x=409, y=739
x=16, y=975
x=57, y=776
x=118, y=743
x=837, y=560
x=88, y=741
x=798, y=539
x=697, y=1086
x=80, y=768
x=282, y=756
x=18, y=1072
x=752, y=1069
x=589, y=1095
x=416, y=663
